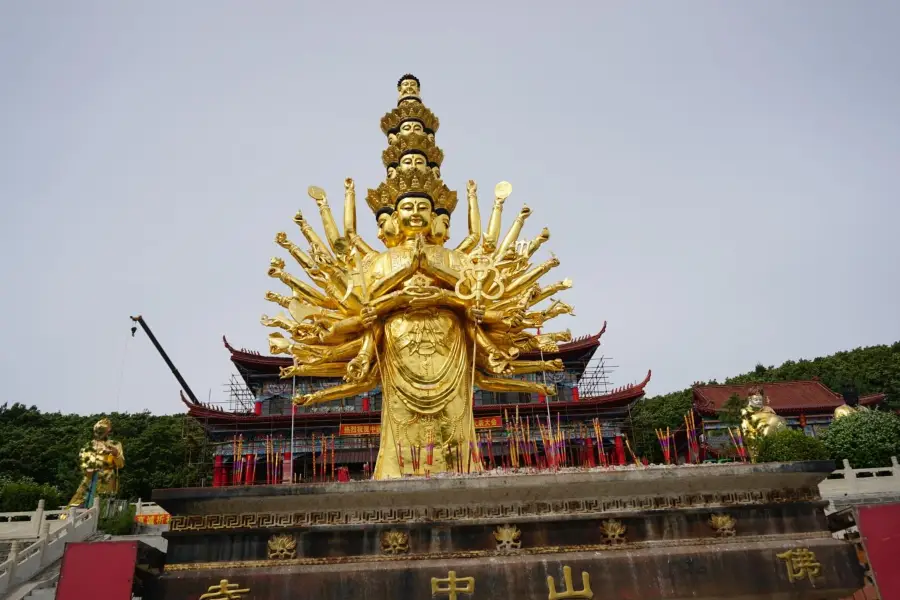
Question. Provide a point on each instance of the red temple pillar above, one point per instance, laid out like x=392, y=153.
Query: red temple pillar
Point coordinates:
x=620, y=450
x=366, y=404
x=218, y=471
x=288, y=469
x=541, y=398
x=249, y=466
x=575, y=393
x=257, y=408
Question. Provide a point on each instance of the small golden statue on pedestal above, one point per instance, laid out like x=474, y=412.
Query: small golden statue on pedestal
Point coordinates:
x=758, y=420
x=424, y=322
x=100, y=461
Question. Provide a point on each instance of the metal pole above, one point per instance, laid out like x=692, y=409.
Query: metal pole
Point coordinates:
x=293, y=414
x=140, y=321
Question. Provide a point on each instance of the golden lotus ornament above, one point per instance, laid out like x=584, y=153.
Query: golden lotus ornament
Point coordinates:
x=425, y=322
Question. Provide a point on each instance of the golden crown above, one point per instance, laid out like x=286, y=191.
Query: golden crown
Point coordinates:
x=410, y=111
x=414, y=142
x=411, y=183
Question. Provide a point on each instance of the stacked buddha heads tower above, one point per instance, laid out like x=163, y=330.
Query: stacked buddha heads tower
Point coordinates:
x=412, y=162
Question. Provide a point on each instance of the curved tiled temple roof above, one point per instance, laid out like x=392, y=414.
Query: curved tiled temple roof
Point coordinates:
x=787, y=397
x=620, y=396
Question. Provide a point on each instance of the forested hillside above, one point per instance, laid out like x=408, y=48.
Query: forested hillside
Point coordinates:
x=43, y=447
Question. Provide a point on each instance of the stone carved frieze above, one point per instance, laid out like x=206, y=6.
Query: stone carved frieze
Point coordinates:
x=483, y=511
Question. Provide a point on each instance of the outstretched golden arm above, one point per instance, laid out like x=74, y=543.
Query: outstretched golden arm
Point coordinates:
x=320, y=370
x=531, y=276
x=337, y=392
x=471, y=241
x=513, y=234
x=331, y=229
x=302, y=290
x=501, y=384
x=350, y=218
x=489, y=242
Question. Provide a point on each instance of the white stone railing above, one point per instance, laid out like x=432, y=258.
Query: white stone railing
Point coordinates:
x=851, y=485
x=26, y=561
x=25, y=525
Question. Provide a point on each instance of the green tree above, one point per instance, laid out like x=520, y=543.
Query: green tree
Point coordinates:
x=730, y=413
x=658, y=412
x=868, y=439
x=790, y=445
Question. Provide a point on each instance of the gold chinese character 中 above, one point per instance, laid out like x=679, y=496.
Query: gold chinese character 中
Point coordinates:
x=801, y=563
x=570, y=592
x=224, y=591
x=451, y=588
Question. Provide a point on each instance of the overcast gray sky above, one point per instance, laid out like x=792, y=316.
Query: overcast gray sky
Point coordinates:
x=720, y=178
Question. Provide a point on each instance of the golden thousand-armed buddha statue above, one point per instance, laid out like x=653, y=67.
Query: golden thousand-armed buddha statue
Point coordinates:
x=425, y=322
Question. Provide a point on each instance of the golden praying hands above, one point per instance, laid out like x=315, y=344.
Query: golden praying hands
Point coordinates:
x=425, y=322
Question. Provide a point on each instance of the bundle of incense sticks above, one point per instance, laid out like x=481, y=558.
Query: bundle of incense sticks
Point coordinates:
x=693, y=445
x=313, y=451
x=737, y=439
x=664, y=437
x=415, y=456
x=598, y=435
x=490, y=443
x=400, y=455
x=630, y=451
x=324, y=438
x=332, y=457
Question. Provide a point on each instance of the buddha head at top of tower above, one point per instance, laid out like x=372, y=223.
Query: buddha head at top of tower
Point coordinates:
x=410, y=116
x=408, y=88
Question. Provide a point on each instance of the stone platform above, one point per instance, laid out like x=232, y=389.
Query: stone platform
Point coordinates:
x=710, y=531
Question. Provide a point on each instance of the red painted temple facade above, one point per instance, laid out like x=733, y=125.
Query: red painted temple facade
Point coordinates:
x=253, y=443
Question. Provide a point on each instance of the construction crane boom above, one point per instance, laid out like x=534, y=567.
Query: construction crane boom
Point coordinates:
x=187, y=389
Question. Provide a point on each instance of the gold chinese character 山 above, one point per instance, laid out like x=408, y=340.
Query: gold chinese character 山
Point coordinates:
x=422, y=320
x=570, y=591
x=449, y=585
x=801, y=563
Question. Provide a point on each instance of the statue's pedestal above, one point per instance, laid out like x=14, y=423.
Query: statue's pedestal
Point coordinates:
x=712, y=531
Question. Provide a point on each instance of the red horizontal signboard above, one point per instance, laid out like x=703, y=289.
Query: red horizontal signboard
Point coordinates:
x=375, y=428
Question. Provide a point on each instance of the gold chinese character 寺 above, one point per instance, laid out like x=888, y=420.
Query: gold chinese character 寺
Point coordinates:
x=570, y=591
x=801, y=563
x=451, y=588
x=224, y=591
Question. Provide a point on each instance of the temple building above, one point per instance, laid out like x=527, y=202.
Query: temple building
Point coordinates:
x=252, y=436
x=807, y=405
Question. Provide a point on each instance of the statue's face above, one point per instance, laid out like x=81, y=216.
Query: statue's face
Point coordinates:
x=413, y=161
x=755, y=401
x=387, y=228
x=409, y=127
x=414, y=215
x=408, y=87
x=440, y=227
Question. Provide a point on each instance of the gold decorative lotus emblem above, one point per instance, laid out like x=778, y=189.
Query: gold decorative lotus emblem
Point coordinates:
x=723, y=524
x=395, y=542
x=508, y=537
x=614, y=531
x=282, y=547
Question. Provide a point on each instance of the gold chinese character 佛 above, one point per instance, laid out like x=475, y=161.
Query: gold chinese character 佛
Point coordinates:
x=801, y=563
